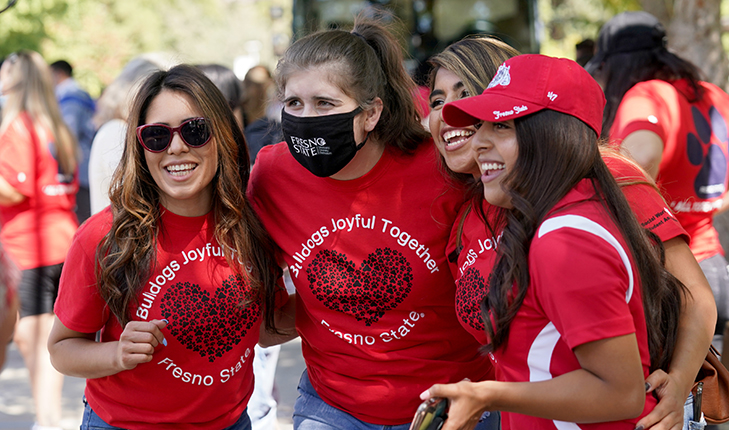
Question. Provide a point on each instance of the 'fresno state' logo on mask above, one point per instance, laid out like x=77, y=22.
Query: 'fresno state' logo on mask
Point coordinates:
x=310, y=147
x=502, y=77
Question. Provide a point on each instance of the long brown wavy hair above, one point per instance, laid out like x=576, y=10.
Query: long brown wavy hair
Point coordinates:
x=29, y=88
x=556, y=151
x=126, y=256
x=365, y=64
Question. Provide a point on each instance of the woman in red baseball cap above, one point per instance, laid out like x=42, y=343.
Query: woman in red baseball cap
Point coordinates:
x=460, y=71
x=566, y=298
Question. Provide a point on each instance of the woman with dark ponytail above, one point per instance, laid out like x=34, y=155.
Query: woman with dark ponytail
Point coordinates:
x=574, y=270
x=356, y=203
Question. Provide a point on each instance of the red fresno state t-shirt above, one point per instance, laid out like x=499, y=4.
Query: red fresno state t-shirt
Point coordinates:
x=583, y=287
x=38, y=231
x=203, y=378
x=375, y=308
x=477, y=254
x=693, y=171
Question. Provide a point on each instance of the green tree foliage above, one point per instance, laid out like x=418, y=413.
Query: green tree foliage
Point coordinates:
x=100, y=36
x=567, y=22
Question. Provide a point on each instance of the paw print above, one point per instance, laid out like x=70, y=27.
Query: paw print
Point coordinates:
x=709, y=182
x=381, y=283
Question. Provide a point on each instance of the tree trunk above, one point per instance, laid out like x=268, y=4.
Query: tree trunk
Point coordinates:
x=694, y=33
x=661, y=9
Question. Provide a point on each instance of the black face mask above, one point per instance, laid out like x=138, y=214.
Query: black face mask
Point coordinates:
x=322, y=144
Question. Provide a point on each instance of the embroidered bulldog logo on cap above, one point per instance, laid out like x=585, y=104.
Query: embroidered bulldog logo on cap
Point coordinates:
x=502, y=77
x=528, y=83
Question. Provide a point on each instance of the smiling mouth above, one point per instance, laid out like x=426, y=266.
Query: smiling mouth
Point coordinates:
x=456, y=137
x=181, y=169
x=491, y=167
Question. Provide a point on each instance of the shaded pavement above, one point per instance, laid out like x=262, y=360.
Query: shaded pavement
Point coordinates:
x=16, y=403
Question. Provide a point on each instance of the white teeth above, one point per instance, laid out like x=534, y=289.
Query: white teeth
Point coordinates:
x=181, y=169
x=485, y=167
x=461, y=134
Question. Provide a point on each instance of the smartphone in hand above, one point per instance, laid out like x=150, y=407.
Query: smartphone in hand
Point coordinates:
x=431, y=414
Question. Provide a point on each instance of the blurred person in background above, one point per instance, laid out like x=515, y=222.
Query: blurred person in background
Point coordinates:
x=262, y=112
x=38, y=184
x=229, y=85
x=77, y=110
x=110, y=120
x=675, y=125
x=9, y=302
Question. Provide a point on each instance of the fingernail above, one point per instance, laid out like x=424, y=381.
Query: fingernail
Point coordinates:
x=425, y=395
x=639, y=426
x=164, y=341
x=647, y=387
x=166, y=322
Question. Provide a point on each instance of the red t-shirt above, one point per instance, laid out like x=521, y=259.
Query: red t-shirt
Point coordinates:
x=584, y=287
x=476, y=257
x=693, y=171
x=203, y=378
x=38, y=231
x=375, y=307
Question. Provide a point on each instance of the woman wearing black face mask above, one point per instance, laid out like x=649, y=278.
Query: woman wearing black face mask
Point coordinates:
x=356, y=203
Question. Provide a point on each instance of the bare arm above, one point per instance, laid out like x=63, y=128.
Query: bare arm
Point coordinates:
x=78, y=354
x=608, y=387
x=285, y=322
x=696, y=329
x=646, y=148
x=9, y=196
x=7, y=325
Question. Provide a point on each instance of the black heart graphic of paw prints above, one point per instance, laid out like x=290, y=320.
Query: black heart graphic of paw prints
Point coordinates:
x=210, y=325
x=469, y=295
x=709, y=182
x=381, y=283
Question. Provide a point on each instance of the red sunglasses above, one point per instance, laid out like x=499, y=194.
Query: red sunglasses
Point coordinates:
x=195, y=132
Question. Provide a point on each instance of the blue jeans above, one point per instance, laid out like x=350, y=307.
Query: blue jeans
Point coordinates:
x=91, y=421
x=313, y=413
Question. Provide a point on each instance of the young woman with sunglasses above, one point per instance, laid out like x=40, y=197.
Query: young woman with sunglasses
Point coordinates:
x=177, y=273
x=573, y=270
x=356, y=203
x=38, y=185
x=472, y=248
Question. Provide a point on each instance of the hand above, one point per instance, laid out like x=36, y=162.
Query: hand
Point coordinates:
x=668, y=413
x=138, y=342
x=466, y=406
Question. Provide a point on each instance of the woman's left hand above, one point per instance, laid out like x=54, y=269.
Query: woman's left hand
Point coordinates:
x=466, y=405
x=668, y=413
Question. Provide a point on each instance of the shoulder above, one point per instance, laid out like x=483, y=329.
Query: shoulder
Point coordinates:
x=95, y=227
x=424, y=156
x=578, y=244
x=273, y=164
x=623, y=168
x=653, y=86
x=271, y=155
x=714, y=94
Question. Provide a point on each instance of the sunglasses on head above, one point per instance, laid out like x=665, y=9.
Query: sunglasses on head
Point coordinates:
x=195, y=132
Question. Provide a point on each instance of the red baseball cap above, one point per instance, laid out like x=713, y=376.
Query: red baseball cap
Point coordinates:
x=528, y=83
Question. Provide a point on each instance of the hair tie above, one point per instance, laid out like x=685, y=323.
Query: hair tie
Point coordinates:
x=366, y=41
